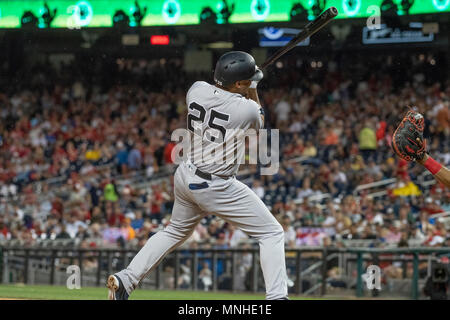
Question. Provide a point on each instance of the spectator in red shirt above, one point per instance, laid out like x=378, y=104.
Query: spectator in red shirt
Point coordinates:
x=402, y=169
x=115, y=217
x=168, y=152
x=431, y=207
x=155, y=205
x=381, y=131
x=3, y=228
x=330, y=137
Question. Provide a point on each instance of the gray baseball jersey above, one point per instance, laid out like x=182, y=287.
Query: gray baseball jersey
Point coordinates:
x=213, y=115
x=218, y=121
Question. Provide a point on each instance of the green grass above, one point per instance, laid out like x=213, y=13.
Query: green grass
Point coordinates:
x=90, y=293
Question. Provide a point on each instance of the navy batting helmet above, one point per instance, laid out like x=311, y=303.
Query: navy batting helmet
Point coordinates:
x=235, y=66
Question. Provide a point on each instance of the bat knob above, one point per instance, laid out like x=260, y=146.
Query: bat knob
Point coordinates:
x=333, y=11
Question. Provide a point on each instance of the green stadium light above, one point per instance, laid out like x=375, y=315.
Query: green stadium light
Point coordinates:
x=171, y=11
x=100, y=13
x=351, y=7
x=441, y=4
x=83, y=13
x=260, y=9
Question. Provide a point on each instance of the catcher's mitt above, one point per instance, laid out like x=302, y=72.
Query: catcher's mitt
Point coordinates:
x=407, y=141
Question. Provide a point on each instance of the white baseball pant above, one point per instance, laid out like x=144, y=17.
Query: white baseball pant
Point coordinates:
x=229, y=199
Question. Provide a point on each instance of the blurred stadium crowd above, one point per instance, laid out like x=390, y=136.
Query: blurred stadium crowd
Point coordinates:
x=85, y=152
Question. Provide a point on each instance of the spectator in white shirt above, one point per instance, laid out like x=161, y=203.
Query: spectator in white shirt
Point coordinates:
x=258, y=188
x=306, y=190
x=283, y=110
x=72, y=226
x=289, y=232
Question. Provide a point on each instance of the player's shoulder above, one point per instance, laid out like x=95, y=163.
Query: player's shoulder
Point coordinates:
x=249, y=102
x=198, y=85
x=249, y=105
x=246, y=110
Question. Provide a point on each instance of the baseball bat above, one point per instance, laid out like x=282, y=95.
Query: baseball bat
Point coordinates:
x=311, y=28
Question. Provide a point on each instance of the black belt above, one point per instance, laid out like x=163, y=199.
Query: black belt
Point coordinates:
x=207, y=176
x=204, y=175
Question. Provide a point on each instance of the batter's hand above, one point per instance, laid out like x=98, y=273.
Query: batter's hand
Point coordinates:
x=254, y=82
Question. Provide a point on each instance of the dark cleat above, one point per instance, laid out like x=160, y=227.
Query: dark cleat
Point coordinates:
x=116, y=289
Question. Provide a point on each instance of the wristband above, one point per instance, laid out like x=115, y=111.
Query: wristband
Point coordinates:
x=432, y=165
x=253, y=84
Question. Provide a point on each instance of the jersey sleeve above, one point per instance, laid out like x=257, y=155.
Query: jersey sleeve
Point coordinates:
x=252, y=113
x=193, y=90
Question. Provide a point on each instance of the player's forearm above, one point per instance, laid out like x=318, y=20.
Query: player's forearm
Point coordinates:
x=443, y=176
x=441, y=173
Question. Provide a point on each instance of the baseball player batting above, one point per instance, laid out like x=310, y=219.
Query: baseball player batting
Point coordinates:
x=229, y=107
